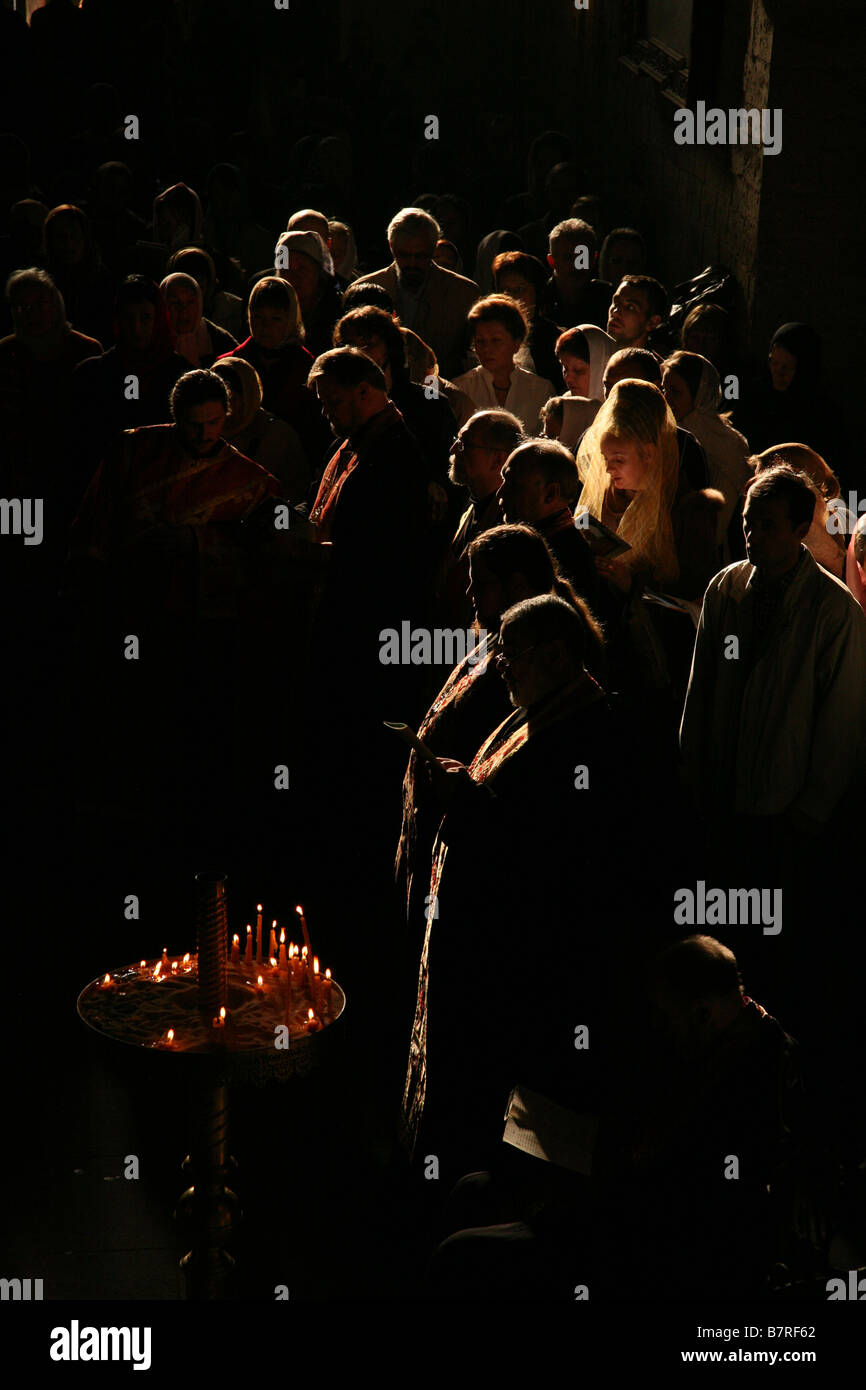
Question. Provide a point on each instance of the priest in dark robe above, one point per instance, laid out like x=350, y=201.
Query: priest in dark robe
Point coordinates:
x=511, y=963
x=506, y=565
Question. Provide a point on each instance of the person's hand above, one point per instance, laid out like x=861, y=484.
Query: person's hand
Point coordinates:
x=615, y=572
x=447, y=776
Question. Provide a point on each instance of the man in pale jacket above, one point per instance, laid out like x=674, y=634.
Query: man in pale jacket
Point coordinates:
x=430, y=300
x=775, y=712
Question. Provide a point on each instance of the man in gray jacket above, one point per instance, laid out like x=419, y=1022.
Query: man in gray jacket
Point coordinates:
x=775, y=712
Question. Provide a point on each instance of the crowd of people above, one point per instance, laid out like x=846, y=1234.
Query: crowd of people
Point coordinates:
x=258, y=453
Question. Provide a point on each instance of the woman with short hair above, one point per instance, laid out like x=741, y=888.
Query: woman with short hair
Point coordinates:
x=498, y=326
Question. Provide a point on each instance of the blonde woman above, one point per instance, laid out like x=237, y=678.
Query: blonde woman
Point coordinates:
x=633, y=485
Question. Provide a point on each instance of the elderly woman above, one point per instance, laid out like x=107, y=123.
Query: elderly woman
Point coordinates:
x=276, y=349
x=198, y=341
x=693, y=391
x=224, y=309
x=257, y=434
x=498, y=326
x=301, y=260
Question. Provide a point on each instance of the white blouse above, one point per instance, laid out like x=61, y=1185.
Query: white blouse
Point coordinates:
x=526, y=394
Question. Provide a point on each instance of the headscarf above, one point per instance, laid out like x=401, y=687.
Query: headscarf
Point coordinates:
x=250, y=391
x=488, y=249
x=803, y=342
x=601, y=348
x=726, y=449
x=182, y=199
x=196, y=345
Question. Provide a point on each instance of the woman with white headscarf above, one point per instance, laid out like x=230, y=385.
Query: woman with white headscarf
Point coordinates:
x=583, y=354
x=198, y=341
x=693, y=391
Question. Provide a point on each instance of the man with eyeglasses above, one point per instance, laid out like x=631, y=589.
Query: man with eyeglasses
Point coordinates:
x=477, y=457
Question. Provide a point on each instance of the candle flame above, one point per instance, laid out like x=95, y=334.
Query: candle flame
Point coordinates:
x=304, y=953
x=169, y=1037
x=300, y=911
x=158, y=968
x=186, y=959
x=315, y=965
x=223, y=1013
x=327, y=974
x=261, y=982
x=144, y=962
x=282, y=935
x=291, y=948
x=274, y=924
x=174, y=965
x=258, y=907
x=310, y=1015
x=249, y=929
x=236, y=940
x=107, y=980
x=274, y=962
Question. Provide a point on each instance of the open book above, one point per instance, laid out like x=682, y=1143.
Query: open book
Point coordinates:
x=600, y=539
x=540, y=1127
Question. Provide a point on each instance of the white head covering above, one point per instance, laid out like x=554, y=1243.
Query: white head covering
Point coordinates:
x=601, y=348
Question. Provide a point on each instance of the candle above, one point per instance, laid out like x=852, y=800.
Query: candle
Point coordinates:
x=314, y=983
x=109, y=985
x=312, y=1021
x=258, y=934
x=260, y=987
x=300, y=912
x=248, y=950
x=164, y=961
x=328, y=986
x=272, y=947
x=283, y=948
x=236, y=949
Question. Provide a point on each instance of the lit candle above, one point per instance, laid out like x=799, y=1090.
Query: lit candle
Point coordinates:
x=185, y=962
x=273, y=962
x=314, y=983
x=258, y=934
x=164, y=961
x=283, y=948
x=248, y=951
x=312, y=1021
x=109, y=985
x=236, y=949
x=328, y=986
x=260, y=987
x=174, y=967
x=300, y=912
